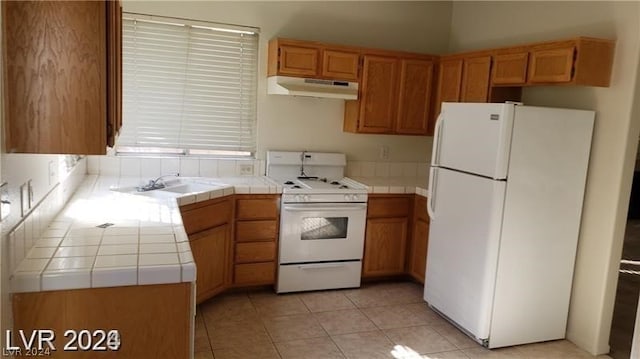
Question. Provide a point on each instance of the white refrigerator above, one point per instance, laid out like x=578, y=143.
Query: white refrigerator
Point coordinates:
x=506, y=188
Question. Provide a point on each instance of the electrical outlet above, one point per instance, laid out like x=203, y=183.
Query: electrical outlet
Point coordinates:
x=384, y=152
x=246, y=170
x=24, y=200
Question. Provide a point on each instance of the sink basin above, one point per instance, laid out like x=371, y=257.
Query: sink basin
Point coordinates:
x=190, y=188
x=174, y=188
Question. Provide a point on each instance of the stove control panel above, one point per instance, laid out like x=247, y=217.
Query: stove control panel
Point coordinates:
x=324, y=197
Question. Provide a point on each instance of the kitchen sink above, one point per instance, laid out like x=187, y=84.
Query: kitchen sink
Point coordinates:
x=174, y=188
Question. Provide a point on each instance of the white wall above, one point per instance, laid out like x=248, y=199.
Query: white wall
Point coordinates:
x=292, y=123
x=615, y=135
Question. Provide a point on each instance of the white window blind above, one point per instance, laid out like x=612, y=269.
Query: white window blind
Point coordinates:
x=187, y=88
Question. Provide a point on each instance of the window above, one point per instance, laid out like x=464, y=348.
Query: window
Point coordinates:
x=188, y=87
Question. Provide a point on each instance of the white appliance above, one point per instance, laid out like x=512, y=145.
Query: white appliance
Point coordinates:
x=322, y=221
x=506, y=190
x=298, y=86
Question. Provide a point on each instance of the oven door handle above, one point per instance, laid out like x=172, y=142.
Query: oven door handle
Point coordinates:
x=312, y=207
x=320, y=266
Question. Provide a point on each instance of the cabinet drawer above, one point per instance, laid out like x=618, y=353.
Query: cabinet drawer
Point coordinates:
x=196, y=219
x=257, y=208
x=388, y=207
x=254, y=273
x=252, y=231
x=255, y=252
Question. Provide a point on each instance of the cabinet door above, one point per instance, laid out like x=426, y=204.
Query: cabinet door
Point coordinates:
x=475, y=79
x=211, y=253
x=553, y=65
x=114, y=71
x=55, y=66
x=418, y=251
x=298, y=61
x=449, y=82
x=385, y=246
x=378, y=99
x=340, y=65
x=510, y=69
x=414, y=97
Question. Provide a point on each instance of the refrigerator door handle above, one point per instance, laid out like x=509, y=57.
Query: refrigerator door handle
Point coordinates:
x=435, y=156
x=431, y=192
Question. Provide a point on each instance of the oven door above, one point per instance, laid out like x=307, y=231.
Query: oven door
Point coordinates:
x=314, y=232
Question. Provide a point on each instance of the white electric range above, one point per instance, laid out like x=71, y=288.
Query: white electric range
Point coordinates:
x=322, y=221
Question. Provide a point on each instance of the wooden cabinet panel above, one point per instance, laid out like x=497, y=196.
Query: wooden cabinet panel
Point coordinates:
x=255, y=252
x=204, y=215
x=252, y=231
x=385, y=246
x=257, y=208
x=378, y=95
x=210, y=251
x=154, y=319
x=114, y=71
x=414, y=96
x=255, y=273
x=298, y=61
x=475, y=79
x=56, y=81
x=551, y=65
x=418, y=250
x=388, y=207
x=340, y=65
x=510, y=69
x=449, y=82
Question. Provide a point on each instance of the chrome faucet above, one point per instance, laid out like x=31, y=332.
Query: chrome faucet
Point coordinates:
x=157, y=183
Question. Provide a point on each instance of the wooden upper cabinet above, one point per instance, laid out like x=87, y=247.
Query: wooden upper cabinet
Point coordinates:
x=510, y=69
x=340, y=64
x=298, y=61
x=57, y=77
x=553, y=65
x=414, y=96
x=449, y=81
x=475, y=79
x=378, y=94
x=299, y=58
x=114, y=71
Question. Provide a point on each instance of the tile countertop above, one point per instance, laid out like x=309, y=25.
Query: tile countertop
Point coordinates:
x=145, y=243
x=395, y=185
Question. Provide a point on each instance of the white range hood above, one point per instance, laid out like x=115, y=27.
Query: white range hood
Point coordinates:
x=297, y=86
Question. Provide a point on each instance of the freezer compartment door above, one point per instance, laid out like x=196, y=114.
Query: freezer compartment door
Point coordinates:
x=463, y=248
x=474, y=138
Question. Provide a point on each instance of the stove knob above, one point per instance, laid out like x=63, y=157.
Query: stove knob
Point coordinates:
x=298, y=198
x=307, y=198
x=346, y=197
x=354, y=197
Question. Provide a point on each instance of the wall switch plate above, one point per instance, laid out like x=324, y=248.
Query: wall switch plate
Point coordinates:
x=246, y=170
x=5, y=203
x=30, y=194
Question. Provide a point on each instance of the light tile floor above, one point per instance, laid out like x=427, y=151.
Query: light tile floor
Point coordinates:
x=384, y=320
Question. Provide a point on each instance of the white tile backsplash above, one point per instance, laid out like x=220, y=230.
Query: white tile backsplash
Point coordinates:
x=169, y=166
x=109, y=166
x=386, y=169
x=150, y=167
x=226, y=168
x=208, y=168
x=130, y=166
x=189, y=167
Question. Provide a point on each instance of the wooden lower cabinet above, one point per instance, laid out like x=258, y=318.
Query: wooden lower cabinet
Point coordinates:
x=210, y=251
x=153, y=321
x=385, y=246
x=418, y=251
x=208, y=224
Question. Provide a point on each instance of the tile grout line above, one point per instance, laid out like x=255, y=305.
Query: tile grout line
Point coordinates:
x=206, y=329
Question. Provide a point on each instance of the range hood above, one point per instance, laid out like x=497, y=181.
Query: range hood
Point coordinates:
x=297, y=86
